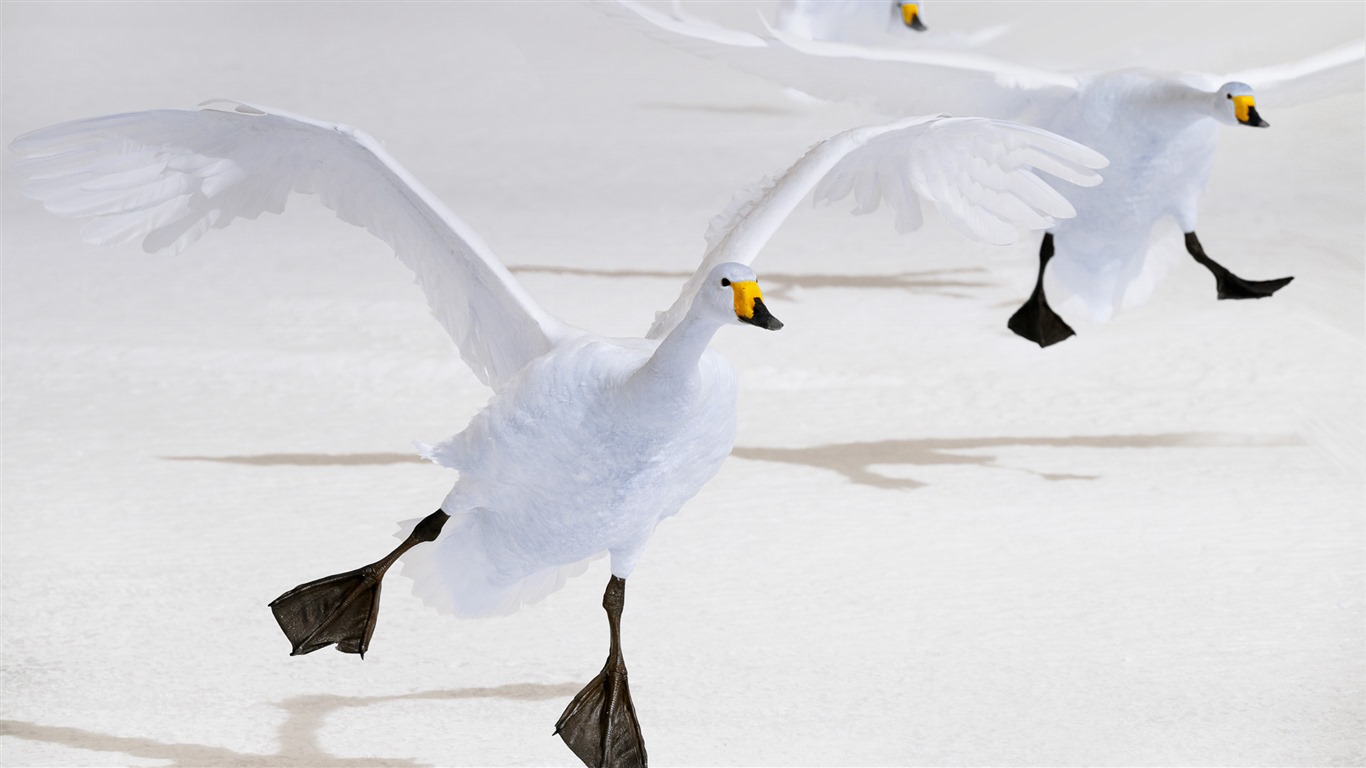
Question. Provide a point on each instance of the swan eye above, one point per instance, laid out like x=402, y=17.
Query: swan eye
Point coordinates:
x=725, y=281
x=1230, y=96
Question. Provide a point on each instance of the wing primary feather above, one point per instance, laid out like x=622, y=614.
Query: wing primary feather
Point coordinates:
x=169, y=176
x=1335, y=72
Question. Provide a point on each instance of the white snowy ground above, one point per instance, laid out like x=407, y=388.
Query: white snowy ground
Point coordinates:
x=936, y=544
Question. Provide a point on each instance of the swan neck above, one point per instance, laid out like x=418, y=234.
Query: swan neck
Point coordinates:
x=674, y=363
x=1196, y=102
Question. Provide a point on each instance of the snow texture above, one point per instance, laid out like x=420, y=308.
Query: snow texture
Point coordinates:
x=934, y=544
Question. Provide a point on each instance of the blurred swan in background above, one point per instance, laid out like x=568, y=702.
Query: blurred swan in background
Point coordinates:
x=1158, y=129
x=846, y=20
x=873, y=22
x=864, y=22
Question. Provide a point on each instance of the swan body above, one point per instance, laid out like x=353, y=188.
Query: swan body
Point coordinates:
x=1158, y=129
x=589, y=448
x=1160, y=136
x=588, y=442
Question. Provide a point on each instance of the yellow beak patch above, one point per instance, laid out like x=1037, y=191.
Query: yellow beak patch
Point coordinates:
x=745, y=294
x=908, y=13
x=1241, y=104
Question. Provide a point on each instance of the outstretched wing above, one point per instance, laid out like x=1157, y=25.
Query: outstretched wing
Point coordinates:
x=1334, y=72
x=894, y=81
x=168, y=176
x=981, y=175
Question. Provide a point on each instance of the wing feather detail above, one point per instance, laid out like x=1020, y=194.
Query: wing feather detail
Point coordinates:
x=169, y=176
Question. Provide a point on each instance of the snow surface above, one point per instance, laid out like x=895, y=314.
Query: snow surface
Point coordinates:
x=935, y=543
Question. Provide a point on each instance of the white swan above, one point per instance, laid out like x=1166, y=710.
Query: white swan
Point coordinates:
x=870, y=22
x=845, y=20
x=588, y=442
x=841, y=20
x=1158, y=129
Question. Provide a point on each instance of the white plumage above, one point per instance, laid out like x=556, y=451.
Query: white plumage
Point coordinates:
x=871, y=22
x=1158, y=129
x=588, y=442
x=842, y=20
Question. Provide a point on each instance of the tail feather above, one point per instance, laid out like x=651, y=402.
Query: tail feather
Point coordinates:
x=458, y=575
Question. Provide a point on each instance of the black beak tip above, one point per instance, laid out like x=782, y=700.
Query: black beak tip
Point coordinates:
x=1255, y=120
x=762, y=317
x=917, y=25
x=766, y=321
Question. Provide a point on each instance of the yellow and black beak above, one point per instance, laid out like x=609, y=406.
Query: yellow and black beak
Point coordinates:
x=749, y=306
x=910, y=16
x=1245, y=108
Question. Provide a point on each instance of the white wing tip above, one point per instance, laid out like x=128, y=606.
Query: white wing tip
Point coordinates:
x=231, y=105
x=1091, y=158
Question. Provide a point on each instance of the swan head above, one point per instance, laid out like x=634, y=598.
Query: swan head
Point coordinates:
x=910, y=15
x=1234, y=104
x=731, y=295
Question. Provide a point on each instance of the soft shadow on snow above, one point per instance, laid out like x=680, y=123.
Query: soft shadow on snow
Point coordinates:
x=854, y=460
x=779, y=284
x=309, y=459
x=305, y=717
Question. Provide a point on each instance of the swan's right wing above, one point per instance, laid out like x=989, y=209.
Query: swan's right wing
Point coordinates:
x=894, y=81
x=168, y=176
x=981, y=175
x=1336, y=72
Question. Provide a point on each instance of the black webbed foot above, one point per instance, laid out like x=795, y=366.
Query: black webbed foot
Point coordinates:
x=600, y=724
x=339, y=609
x=1233, y=287
x=1229, y=285
x=343, y=608
x=1035, y=320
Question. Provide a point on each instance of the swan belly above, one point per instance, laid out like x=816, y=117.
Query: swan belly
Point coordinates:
x=558, y=470
x=1159, y=165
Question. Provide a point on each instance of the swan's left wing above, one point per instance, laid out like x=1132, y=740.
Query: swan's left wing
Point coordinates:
x=981, y=175
x=1334, y=72
x=168, y=176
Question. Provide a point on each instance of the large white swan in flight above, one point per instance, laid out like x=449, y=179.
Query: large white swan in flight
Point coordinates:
x=588, y=442
x=1159, y=130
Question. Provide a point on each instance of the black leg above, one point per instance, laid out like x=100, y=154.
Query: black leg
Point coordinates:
x=600, y=724
x=342, y=609
x=1229, y=285
x=1035, y=320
